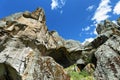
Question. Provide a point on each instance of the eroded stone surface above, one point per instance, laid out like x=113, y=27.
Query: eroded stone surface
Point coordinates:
x=24, y=42
x=108, y=60
x=31, y=52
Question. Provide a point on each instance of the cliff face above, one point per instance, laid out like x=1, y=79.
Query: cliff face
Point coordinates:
x=28, y=51
x=24, y=41
x=108, y=54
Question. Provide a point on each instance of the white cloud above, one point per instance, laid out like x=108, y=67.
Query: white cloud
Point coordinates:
x=88, y=40
x=57, y=4
x=116, y=9
x=115, y=22
x=102, y=11
x=86, y=28
x=95, y=32
x=54, y=4
x=90, y=7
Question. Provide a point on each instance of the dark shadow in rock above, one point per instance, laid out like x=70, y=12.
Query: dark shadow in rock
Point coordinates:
x=94, y=60
x=59, y=55
x=98, y=41
x=81, y=66
x=8, y=73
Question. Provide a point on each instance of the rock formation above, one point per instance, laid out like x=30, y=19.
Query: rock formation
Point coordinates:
x=24, y=43
x=29, y=51
x=107, y=54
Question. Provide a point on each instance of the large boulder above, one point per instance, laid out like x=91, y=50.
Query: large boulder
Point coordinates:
x=108, y=60
x=24, y=48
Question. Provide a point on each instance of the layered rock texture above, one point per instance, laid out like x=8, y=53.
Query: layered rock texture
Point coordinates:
x=29, y=51
x=25, y=43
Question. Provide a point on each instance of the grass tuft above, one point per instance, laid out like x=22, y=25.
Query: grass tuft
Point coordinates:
x=78, y=75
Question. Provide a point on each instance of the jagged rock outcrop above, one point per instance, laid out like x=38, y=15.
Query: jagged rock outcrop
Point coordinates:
x=29, y=51
x=105, y=51
x=108, y=60
x=25, y=44
x=107, y=54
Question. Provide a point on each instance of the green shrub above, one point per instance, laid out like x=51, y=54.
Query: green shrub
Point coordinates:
x=82, y=75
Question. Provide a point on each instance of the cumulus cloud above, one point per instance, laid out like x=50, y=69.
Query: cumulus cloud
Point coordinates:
x=57, y=4
x=116, y=9
x=88, y=40
x=102, y=11
x=90, y=7
x=86, y=28
x=54, y=4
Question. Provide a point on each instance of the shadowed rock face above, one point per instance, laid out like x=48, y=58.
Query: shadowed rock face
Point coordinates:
x=8, y=73
x=30, y=52
x=60, y=56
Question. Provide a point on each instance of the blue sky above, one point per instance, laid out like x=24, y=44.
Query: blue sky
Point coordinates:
x=72, y=19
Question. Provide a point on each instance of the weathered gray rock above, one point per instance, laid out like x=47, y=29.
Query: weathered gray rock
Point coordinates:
x=24, y=46
x=104, y=51
x=108, y=60
x=28, y=51
x=28, y=63
x=2, y=24
x=106, y=26
x=72, y=45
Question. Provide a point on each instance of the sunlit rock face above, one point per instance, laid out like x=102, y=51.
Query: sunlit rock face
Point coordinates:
x=29, y=51
x=25, y=43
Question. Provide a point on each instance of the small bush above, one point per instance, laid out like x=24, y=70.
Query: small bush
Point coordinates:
x=76, y=75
